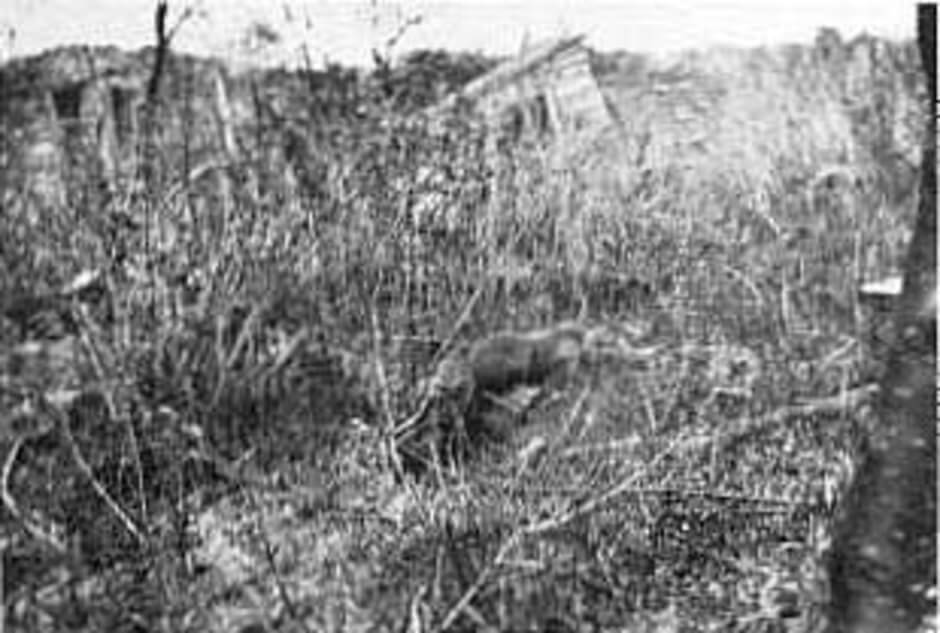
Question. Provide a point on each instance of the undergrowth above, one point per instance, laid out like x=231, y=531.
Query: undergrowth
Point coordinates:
x=206, y=441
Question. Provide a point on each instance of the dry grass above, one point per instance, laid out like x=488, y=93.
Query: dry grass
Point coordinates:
x=230, y=464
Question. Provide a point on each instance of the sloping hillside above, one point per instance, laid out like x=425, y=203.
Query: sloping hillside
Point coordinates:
x=745, y=112
x=336, y=369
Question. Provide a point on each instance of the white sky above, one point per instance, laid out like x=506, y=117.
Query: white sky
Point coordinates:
x=346, y=30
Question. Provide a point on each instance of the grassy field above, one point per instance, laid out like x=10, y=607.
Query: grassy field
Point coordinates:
x=208, y=435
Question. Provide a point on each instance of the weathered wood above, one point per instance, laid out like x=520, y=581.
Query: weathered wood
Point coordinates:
x=555, y=75
x=884, y=550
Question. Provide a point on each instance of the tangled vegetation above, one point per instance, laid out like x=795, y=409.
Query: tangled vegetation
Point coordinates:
x=211, y=432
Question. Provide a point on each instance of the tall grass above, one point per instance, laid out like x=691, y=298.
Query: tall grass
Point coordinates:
x=268, y=292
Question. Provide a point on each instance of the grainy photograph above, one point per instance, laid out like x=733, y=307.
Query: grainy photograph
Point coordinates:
x=329, y=316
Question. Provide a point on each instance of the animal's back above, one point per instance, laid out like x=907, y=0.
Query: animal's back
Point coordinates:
x=501, y=361
x=505, y=360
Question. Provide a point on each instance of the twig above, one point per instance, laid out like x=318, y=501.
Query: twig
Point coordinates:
x=194, y=174
x=10, y=503
x=86, y=469
x=226, y=361
x=838, y=354
x=392, y=40
x=427, y=398
x=626, y=444
x=786, y=305
x=138, y=464
x=478, y=584
x=649, y=410
x=458, y=325
x=414, y=610
x=527, y=456
x=542, y=526
x=848, y=399
x=684, y=370
x=187, y=13
x=288, y=350
x=592, y=504
x=402, y=431
x=839, y=403
x=714, y=496
x=269, y=555
x=385, y=394
x=244, y=334
x=573, y=415
x=160, y=52
x=96, y=356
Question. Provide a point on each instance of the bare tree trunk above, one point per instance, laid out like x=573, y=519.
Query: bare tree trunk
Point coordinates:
x=885, y=550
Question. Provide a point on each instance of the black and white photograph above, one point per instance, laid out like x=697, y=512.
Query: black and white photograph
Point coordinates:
x=459, y=316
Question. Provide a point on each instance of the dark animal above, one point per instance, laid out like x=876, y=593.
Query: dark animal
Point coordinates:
x=484, y=391
x=884, y=555
x=504, y=361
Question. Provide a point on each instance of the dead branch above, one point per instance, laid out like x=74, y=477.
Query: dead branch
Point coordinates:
x=9, y=502
x=89, y=474
x=385, y=394
x=618, y=489
x=160, y=52
x=402, y=429
x=841, y=403
x=458, y=325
